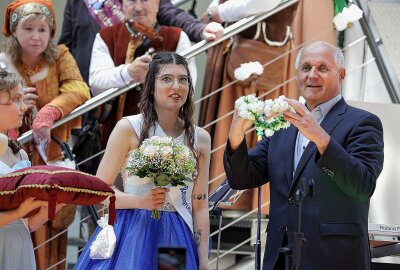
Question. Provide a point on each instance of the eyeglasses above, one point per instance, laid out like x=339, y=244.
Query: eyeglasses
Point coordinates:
x=169, y=80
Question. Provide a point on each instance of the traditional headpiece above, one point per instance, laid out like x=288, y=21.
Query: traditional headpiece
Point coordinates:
x=18, y=9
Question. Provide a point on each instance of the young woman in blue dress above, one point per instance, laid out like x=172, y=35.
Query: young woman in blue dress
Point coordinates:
x=166, y=110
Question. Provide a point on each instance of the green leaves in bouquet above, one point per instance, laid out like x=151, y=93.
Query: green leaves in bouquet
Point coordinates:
x=143, y=171
x=162, y=180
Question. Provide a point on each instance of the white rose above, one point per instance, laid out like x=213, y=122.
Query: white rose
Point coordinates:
x=245, y=113
x=239, y=102
x=256, y=107
x=268, y=132
x=150, y=151
x=252, y=99
x=166, y=151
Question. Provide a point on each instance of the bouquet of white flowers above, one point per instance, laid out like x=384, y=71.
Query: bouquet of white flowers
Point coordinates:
x=260, y=112
x=165, y=160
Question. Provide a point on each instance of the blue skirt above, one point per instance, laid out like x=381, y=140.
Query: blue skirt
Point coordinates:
x=138, y=239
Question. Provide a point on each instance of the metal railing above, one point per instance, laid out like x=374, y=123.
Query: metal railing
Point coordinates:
x=376, y=46
x=190, y=52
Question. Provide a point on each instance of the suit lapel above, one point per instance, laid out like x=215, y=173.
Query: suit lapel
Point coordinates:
x=331, y=120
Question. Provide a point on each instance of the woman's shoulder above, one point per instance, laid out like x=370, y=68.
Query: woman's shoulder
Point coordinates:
x=134, y=117
x=135, y=120
x=62, y=49
x=203, y=138
x=9, y=65
x=123, y=133
x=129, y=124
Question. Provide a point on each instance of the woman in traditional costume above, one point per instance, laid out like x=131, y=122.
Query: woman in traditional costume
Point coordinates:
x=53, y=88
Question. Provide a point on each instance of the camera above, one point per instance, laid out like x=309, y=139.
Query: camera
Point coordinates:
x=171, y=258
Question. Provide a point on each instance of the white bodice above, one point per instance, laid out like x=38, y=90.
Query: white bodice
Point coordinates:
x=134, y=184
x=178, y=198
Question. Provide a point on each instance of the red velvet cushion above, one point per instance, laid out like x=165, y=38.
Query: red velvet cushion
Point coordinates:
x=56, y=185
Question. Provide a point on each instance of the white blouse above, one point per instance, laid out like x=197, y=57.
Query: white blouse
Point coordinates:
x=103, y=74
x=234, y=10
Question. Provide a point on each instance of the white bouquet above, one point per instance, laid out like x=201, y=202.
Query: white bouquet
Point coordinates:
x=167, y=161
x=261, y=112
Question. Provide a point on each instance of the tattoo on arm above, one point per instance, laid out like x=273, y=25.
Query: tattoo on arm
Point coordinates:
x=199, y=196
x=197, y=236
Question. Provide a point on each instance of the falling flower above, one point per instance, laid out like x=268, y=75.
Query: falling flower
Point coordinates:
x=347, y=16
x=247, y=69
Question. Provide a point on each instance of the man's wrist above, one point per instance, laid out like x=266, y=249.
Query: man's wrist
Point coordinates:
x=213, y=15
x=210, y=18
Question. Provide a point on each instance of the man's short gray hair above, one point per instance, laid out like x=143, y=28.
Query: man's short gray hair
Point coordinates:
x=338, y=55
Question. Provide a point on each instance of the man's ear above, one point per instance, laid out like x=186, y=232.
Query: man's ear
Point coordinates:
x=342, y=73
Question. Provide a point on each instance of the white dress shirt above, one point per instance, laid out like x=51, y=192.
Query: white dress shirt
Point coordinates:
x=103, y=74
x=319, y=114
x=234, y=10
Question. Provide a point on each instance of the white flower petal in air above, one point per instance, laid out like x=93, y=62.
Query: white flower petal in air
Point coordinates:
x=348, y=15
x=247, y=69
x=353, y=13
x=340, y=22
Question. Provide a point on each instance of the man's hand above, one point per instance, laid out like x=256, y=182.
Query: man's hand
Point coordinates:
x=213, y=31
x=139, y=67
x=307, y=124
x=30, y=97
x=238, y=130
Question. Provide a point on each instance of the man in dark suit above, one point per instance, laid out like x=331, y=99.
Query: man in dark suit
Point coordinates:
x=339, y=146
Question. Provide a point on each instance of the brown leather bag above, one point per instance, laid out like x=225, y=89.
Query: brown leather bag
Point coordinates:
x=249, y=47
x=249, y=50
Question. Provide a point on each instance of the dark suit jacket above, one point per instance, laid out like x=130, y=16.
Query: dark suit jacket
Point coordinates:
x=335, y=220
x=79, y=29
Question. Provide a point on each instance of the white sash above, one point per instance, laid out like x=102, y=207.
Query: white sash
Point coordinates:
x=181, y=198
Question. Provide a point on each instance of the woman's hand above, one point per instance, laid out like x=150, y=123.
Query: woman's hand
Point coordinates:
x=154, y=199
x=43, y=122
x=30, y=97
x=29, y=205
x=42, y=135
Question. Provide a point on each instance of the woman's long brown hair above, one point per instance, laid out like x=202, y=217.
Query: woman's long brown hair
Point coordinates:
x=146, y=104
